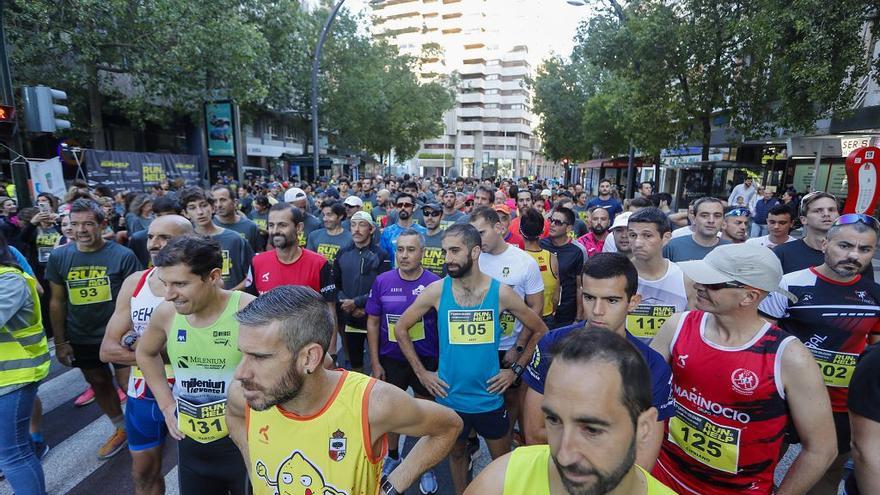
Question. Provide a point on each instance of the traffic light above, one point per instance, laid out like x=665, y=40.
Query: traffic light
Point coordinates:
x=565, y=162
x=40, y=110
x=7, y=114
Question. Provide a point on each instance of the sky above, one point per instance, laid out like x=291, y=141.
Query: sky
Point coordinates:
x=554, y=27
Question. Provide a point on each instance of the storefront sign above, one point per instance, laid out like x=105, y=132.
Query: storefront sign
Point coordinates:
x=863, y=174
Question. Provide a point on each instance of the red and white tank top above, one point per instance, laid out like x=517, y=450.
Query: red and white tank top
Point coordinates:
x=143, y=303
x=731, y=413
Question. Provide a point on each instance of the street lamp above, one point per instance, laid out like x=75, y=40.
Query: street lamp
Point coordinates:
x=316, y=63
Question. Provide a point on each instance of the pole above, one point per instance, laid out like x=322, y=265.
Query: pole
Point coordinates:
x=316, y=64
x=630, y=172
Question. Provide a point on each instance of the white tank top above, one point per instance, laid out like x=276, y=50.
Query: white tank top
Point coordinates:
x=661, y=298
x=143, y=303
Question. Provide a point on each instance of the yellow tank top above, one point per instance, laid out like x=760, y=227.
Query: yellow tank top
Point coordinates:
x=328, y=453
x=550, y=281
x=528, y=473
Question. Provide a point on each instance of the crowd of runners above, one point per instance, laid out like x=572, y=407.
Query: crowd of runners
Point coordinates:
x=289, y=336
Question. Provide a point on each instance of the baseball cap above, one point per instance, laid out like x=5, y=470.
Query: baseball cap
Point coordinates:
x=353, y=201
x=294, y=194
x=749, y=264
x=546, y=192
x=621, y=220
x=502, y=209
x=364, y=217
x=433, y=206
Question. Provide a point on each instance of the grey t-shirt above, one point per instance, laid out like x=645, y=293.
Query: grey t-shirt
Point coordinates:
x=237, y=257
x=328, y=245
x=311, y=223
x=433, y=260
x=684, y=248
x=457, y=217
x=92, y=281
x=247, y=229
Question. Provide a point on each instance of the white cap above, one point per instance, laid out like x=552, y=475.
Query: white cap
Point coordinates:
x=546, y=192
x=353, y=201
x=363, y=216
x=621, y=220
x=294, y=194
x=749, y=264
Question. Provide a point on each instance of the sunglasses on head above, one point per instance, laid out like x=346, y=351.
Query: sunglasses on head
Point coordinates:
x=738, y=212
x=852, y=218
x=725, y=285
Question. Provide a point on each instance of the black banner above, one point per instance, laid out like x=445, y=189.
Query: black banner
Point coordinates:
x=126, y=170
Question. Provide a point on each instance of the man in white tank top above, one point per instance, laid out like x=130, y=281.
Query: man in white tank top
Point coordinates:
x=140, y=294
x=664, y=288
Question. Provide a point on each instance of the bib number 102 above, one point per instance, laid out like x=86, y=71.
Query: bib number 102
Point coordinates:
x=472, y=329
x=204, y=427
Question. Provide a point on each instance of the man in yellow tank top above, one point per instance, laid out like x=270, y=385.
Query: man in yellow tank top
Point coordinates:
x=305, y=429
x=597, y=407
x=530, y=227
x=196, y=327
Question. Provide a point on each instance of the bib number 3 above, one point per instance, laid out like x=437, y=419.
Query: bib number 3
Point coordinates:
x=203, y=423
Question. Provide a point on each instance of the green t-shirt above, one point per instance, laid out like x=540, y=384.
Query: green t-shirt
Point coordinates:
x=92, y=281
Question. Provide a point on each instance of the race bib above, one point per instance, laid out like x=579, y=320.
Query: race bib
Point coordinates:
x=416, y=332
x=227, y=263
x=508, y=323
x=43, y=253
x=89, y=291
x=351, y=329
x=837, y=367
x=645, y=321
x=471, y=326
x=712, y=444
x=261, y=223
x=301, y=238
x=204, y=423
x=368, y=206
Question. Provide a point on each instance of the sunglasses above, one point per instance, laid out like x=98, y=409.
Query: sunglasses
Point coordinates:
x=738, y=212
x=853, y=218
x=405, y=205
x=725, y=285
x=557, y=222
x=431, y=213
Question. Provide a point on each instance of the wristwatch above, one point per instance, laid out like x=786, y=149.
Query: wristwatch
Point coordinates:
x=519, y=348
x=517, y=369
x=387, y=487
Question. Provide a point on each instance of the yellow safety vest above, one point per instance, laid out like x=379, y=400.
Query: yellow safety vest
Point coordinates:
x=24, y=353
x=327, y=453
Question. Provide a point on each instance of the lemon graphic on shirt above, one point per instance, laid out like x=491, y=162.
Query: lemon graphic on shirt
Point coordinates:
x=297, y=476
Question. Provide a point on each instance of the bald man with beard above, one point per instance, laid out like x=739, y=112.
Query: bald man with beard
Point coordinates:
x=140, y=294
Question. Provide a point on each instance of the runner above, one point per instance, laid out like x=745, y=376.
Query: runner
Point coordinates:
x=605, y=200
x=468, y=379
x=738, y=383
x=818, y=213
x=85, y=277
x=484, y=195
x=512, y=237
x=610, y=282
x=382, y=206
x=367, y=196
x=260, y=216
x=392, y=293
x=600, y=223
x=735, y=226
x=329, y=240
x=579, y=227
x=663, y=288
x=196, y=327
x=619, y=237
x=228, y=217
x=433, y=258
x=137, y=242
x=864, y=414
x=598, y=412
x=354, y=270
x=24, y=362
x=237, y=253
x=571, y=264
x=406, y=204
x=837, y=313
x=514, y=268
x=779, y=223
x=451, y=214
x=525, y=201
x=761, y=210
x=708, y=215
x=530, y=227
x=581, y=209
x=297, y=197
x=141, y=293
x=284, y=422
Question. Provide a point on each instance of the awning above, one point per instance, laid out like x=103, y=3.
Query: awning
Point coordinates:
x=620, y=162
x=713, y=164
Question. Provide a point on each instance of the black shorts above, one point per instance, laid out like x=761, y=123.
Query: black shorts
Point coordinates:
x=491, y=425
x=401, y=375
x=88, y=357
x=215, y=467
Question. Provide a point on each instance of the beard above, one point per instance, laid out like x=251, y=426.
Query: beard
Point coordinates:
x=605, y=482
x=280, y=241
x=458, y=271
x=289, y=388
x=404, y=214
x=843, y=270
x=598, y=229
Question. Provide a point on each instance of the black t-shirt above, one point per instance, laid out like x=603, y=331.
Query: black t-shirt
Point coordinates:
x=571, y=264
x=797, y=255
x=864, y=395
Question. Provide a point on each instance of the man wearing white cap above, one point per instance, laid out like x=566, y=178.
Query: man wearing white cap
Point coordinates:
x=738, y=382
x=297, y=197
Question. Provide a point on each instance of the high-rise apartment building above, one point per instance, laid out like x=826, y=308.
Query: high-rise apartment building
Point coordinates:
x=490, y=131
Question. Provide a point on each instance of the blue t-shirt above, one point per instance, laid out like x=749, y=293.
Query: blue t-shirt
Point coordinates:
x=612, y=205
x=389, y=239
x=661, y=374
x=22, y=261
